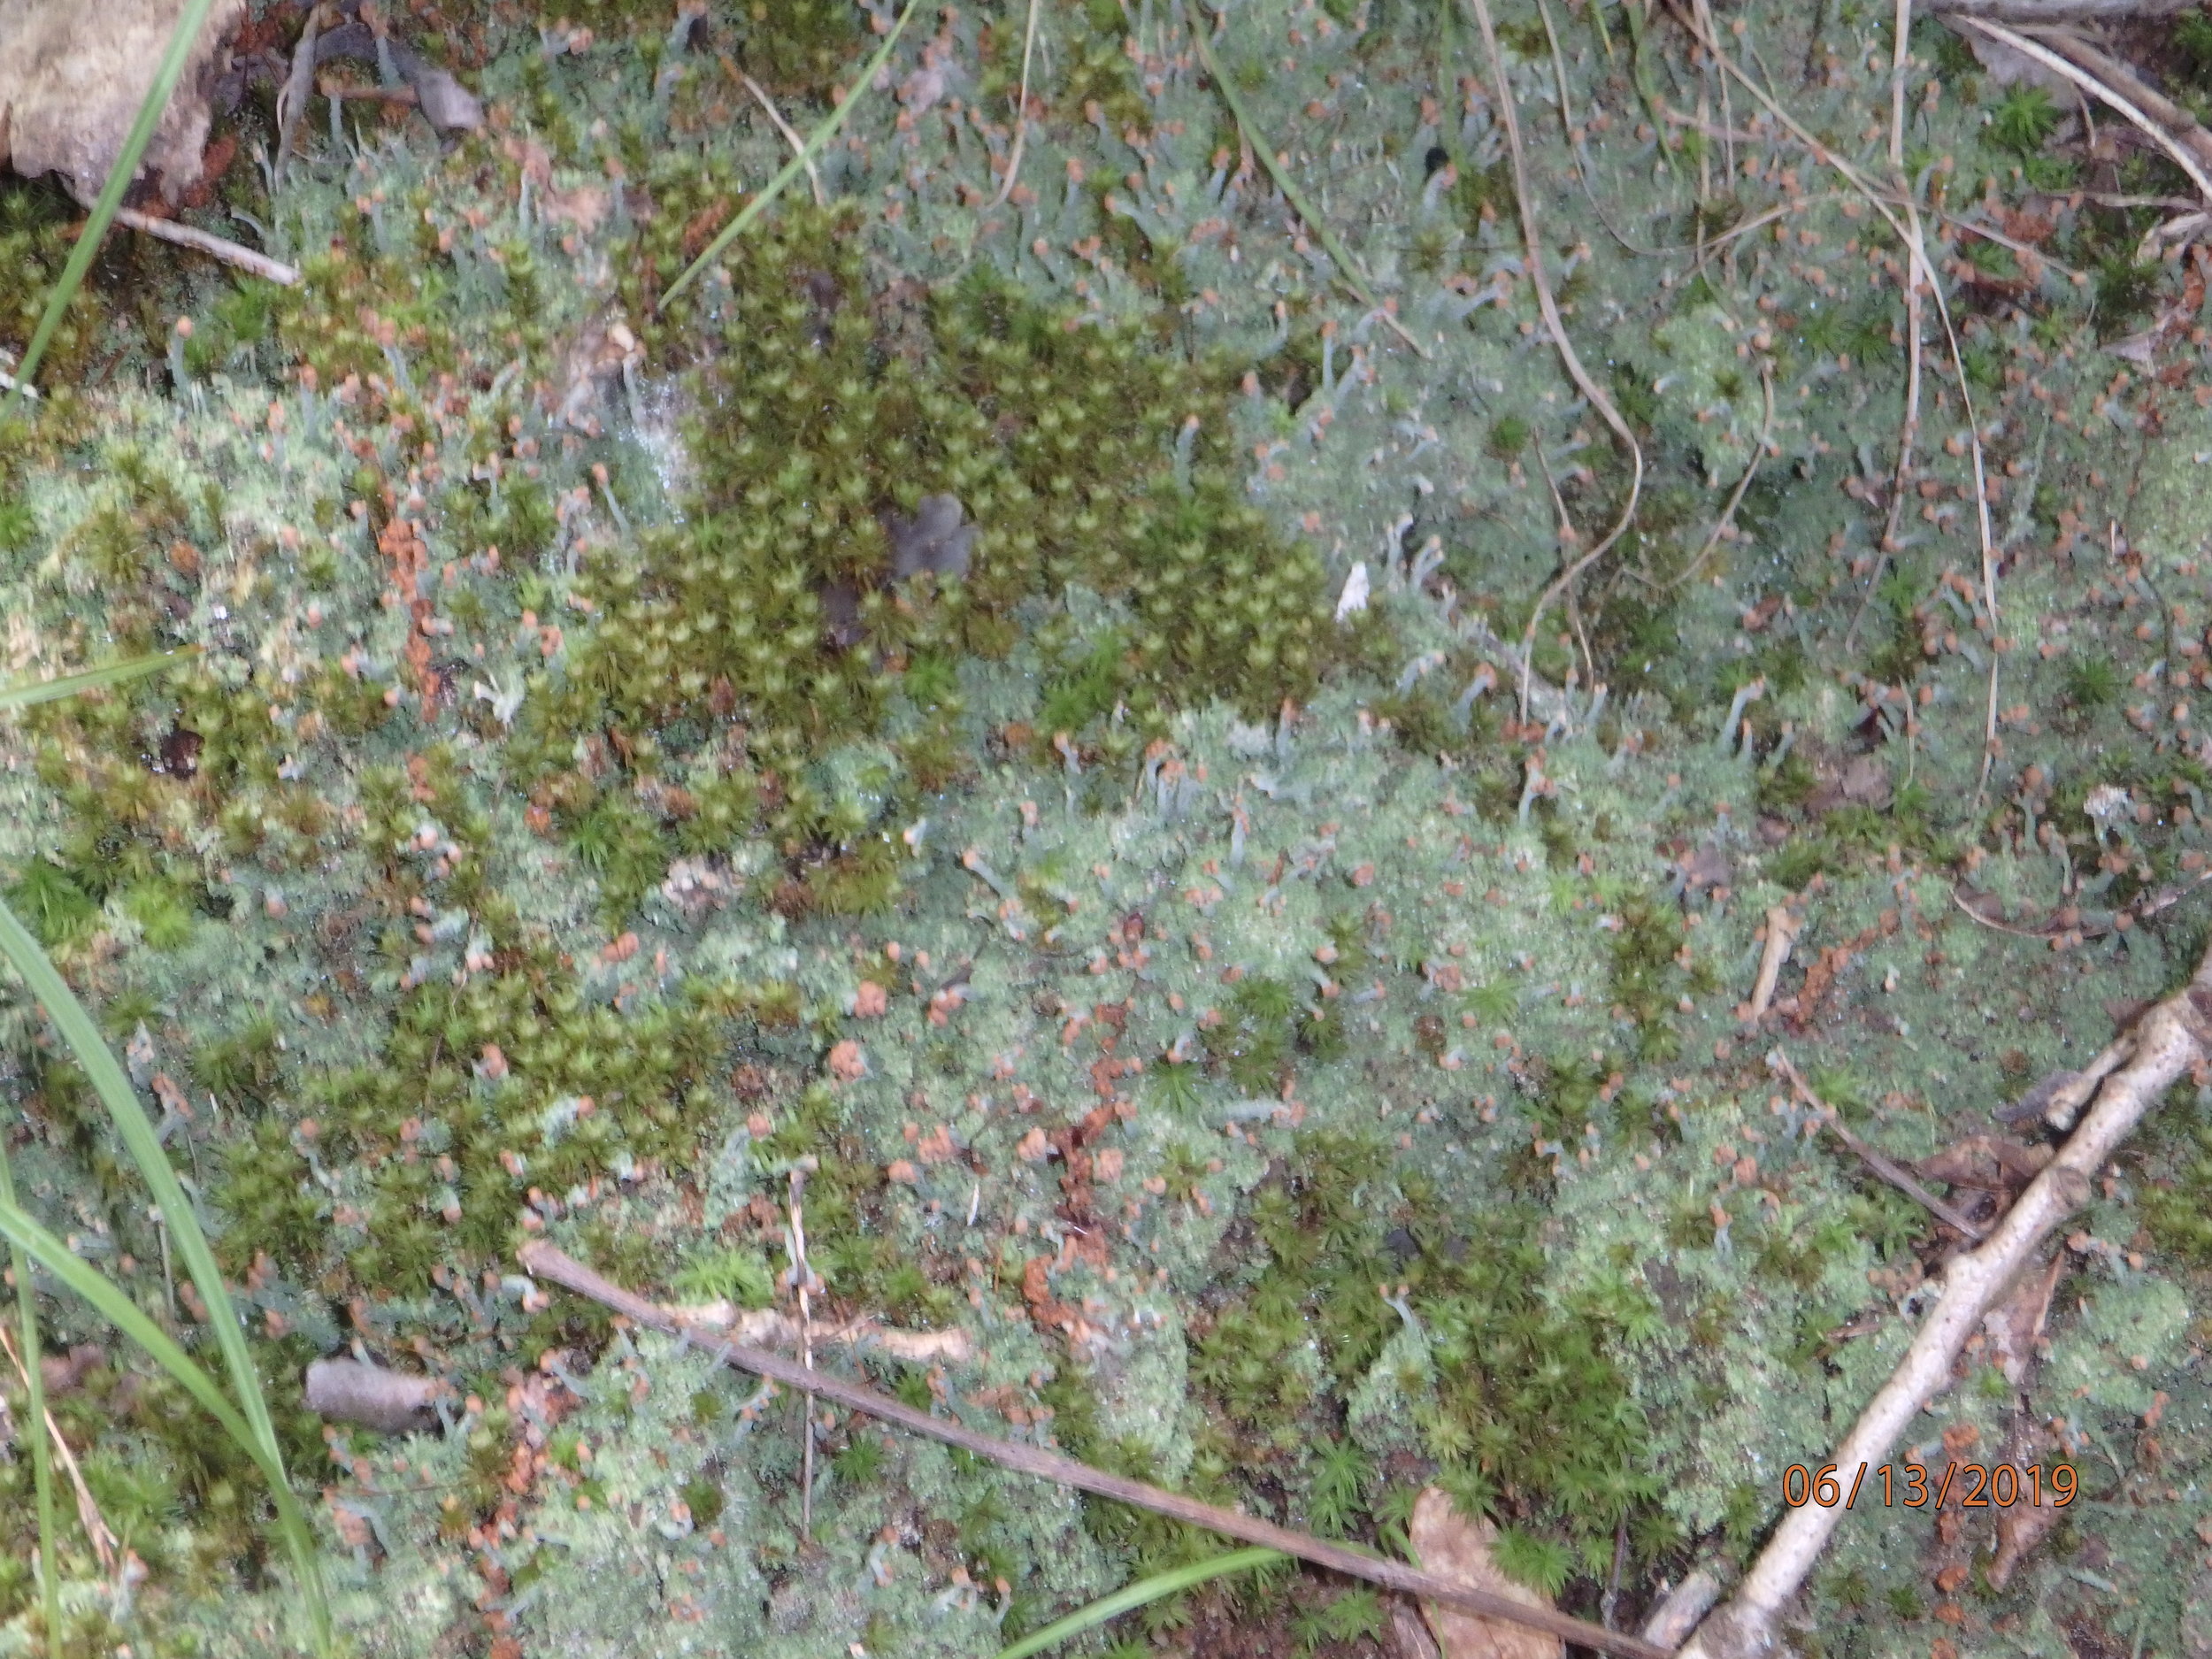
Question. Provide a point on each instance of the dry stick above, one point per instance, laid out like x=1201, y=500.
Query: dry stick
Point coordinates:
x=2064, y=10
x=1021, y=112
x=2185, y=127
x=549, y=1262
x=1525, y=203
x=1900, y=56
x=1880, y=1162
x=207, y=243
x=797, y=143
x=88, y=1515
x=292, y=96
x=2190, y=163
x=2170, y=1038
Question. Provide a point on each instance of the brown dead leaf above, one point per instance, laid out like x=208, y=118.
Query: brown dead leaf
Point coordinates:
x=2023, y=1526
x=72, y=77
x=1452, y=1546
x=2015, y=1328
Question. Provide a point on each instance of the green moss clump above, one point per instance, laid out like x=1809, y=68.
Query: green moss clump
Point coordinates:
x=1529, y=1416
x=37, y=224
x=835, y=413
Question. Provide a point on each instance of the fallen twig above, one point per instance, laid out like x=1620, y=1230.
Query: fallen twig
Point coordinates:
x=207, y=243
x=2170, y=1038
x=547, y=1262
x=2128, y=106
x=1880, y=1162
x=1782, y=930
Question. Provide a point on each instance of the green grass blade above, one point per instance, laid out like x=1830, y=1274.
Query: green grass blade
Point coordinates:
x=1135, y=1596
x=26, y=692
x=818, y=137
x=129, y=1117
x=108, y=1299
x=34, y=1413
x=165, y=83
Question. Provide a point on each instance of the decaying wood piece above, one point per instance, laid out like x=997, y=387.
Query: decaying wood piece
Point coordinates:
x=1782, y=930
x=389, y=1401
x=2168, y=1039
x=2015, y=1332
x=72, y=77
x=549, y=1262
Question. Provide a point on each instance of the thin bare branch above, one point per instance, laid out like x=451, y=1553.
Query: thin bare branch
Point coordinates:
x=207, y=243
x=2170, y=1039
x=549, y=1262
x=1880, y=1162
x=2063, y=64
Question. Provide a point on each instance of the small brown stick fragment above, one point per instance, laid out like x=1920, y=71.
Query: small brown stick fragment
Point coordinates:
x=2170, y=1038
x=548, y=1262
x=1782, y=931
x=88, y=1516
x=1895, y=1174
x=207, y=243
x=339, y=92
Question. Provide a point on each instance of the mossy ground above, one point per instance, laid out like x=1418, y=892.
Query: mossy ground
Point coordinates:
x=1301, y=1074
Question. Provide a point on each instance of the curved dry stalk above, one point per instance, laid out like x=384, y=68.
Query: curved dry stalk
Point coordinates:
x=790, y=134
x=1525, y=204
x=88, y=1515
x=1917, y=270
x=2170, y=1038
x=1021, y=111
x=2135, y=115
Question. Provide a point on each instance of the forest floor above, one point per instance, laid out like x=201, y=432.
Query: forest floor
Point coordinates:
x=1030, y=714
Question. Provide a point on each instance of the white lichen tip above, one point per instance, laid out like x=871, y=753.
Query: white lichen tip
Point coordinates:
x=1354, y=595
